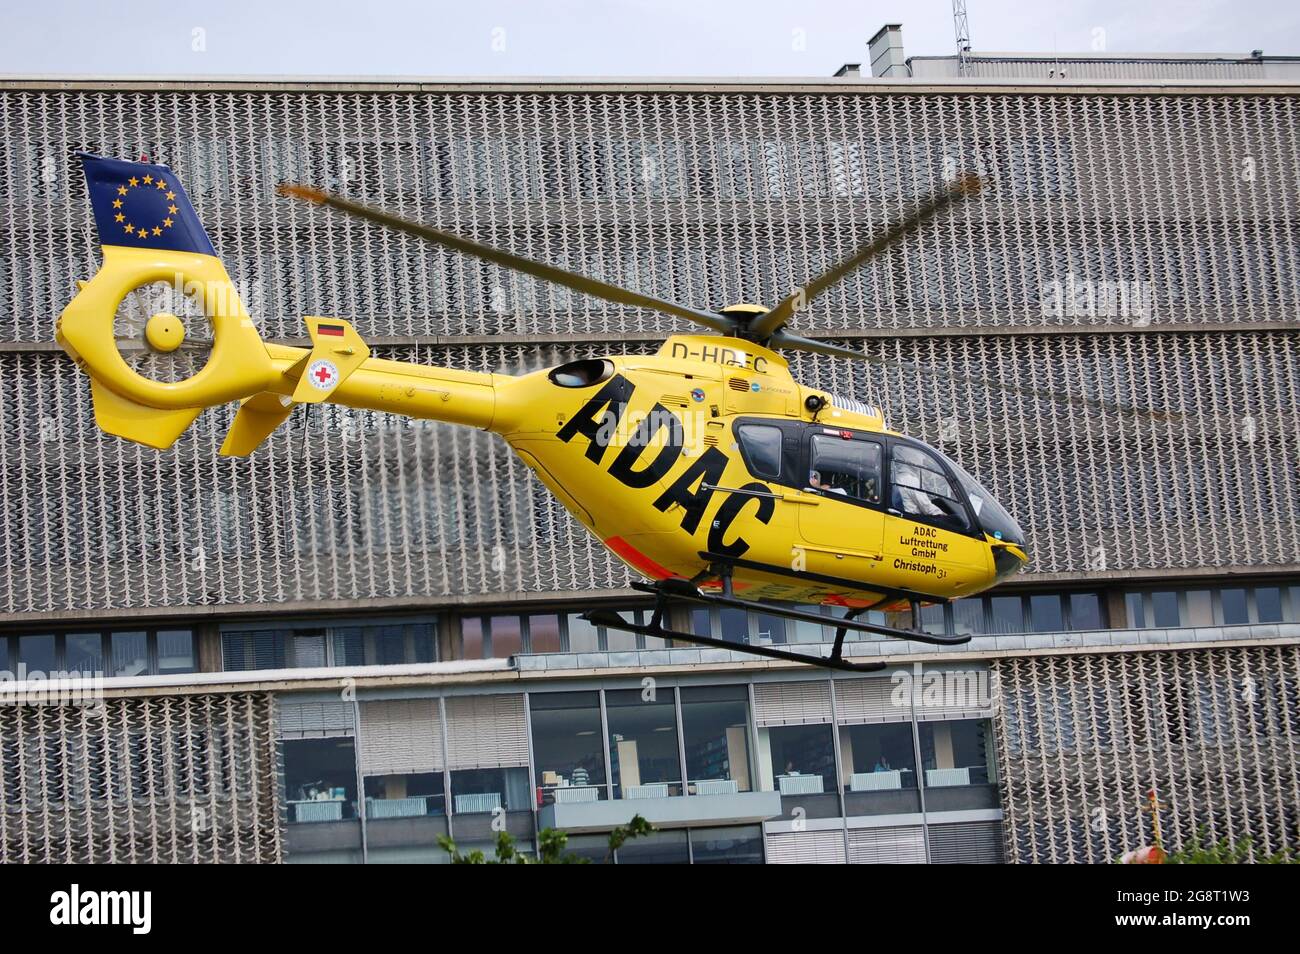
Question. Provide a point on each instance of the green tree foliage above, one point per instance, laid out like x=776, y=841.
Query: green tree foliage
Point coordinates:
x=1224, y=852
x=550, y=847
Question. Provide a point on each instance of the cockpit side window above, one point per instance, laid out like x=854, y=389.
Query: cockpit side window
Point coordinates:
x=761, y=446
x=849, y=468
x=920, y=487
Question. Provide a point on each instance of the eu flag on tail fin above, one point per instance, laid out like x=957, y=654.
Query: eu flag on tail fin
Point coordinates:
x=140, y=205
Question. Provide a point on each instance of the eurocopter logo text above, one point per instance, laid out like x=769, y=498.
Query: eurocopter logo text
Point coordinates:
x=942, y=689
x=76, y=907
x=35, y=688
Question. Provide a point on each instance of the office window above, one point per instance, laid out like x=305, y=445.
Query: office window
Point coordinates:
x=968, y=616
x=567, y=749
x=4, y=653
x=320, y=779
x=1235, y=610
x=130, y=654
x=471, y=638
x=1006, y=615
x=761, y=447
x=482, y=791
x=800, y=631
x=1045, y=613
x=583, y=636
x=544, y=634
x=507, y=636
x=643, y=754
x=385, y=645
x=307, y=649
x=701, y=622
x=715, y=723
x=768, y=628
x=802, y=758
x=1200, y=608
x=933, y=619
x=657, y=848
x=1085, y=611
x=37, y=654
x=1164, y=610
x=954, y=753
x=1137, y=618
x=424, y=641
x=878, y=757
x=414, y=794
x=176, y=651
x=736, y=845
x=734, y=624
x=618, y=640
x=83, y=653
x=1268, y=604
x=592, y=848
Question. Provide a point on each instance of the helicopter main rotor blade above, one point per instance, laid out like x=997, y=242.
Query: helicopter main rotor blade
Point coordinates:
x=784, y=339
x=549, y=273
x=1056, y=397
x=771, y=321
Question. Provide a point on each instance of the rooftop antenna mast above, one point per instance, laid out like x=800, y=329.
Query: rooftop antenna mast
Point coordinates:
x=961, y=26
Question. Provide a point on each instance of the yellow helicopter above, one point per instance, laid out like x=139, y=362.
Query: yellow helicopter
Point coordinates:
x=705, y=467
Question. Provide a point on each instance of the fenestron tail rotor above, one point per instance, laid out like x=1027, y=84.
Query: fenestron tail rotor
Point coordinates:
x=161, y=334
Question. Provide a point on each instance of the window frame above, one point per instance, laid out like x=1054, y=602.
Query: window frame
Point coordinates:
x=972, y=524
x=11, y=641
x=748, y=458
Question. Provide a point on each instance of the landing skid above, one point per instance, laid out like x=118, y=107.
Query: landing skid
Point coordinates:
x=685, y=590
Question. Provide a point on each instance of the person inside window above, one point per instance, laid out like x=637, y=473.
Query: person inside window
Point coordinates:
x=882, y=764
x=816, y=483
x=908, y=495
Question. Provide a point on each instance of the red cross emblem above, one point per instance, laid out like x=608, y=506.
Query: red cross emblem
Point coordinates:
x=323, y=374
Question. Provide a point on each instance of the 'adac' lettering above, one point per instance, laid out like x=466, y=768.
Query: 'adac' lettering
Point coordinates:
x=728, y=513
x=622, y=468
x=614, y=396
x=707, y=470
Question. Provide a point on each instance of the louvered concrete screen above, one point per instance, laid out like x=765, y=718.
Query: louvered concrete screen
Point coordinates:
x=1142, y=246
x=1082, y=739
x=163, y=779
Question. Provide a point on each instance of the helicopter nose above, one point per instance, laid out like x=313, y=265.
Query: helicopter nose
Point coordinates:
x=1008, y=560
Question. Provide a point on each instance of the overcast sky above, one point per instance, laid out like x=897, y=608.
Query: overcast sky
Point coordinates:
x=587, y=38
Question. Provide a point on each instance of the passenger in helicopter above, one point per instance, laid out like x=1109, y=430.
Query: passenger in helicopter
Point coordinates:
x=908, y=495
x=816, y=483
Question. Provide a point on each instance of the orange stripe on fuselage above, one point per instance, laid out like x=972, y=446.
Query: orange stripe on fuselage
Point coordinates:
x=638, y=559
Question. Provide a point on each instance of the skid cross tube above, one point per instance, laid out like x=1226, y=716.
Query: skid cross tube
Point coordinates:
x=685, y=590
x=611, y=620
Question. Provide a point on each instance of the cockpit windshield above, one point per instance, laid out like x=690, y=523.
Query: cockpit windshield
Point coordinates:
x=992, y=516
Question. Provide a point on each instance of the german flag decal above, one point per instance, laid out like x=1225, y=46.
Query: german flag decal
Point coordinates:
x=334, y=330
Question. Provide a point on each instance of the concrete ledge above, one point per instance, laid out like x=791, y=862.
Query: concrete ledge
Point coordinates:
x=681, y=811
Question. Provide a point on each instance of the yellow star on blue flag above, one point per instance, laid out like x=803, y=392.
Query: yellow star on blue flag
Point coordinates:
x=140, y=205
